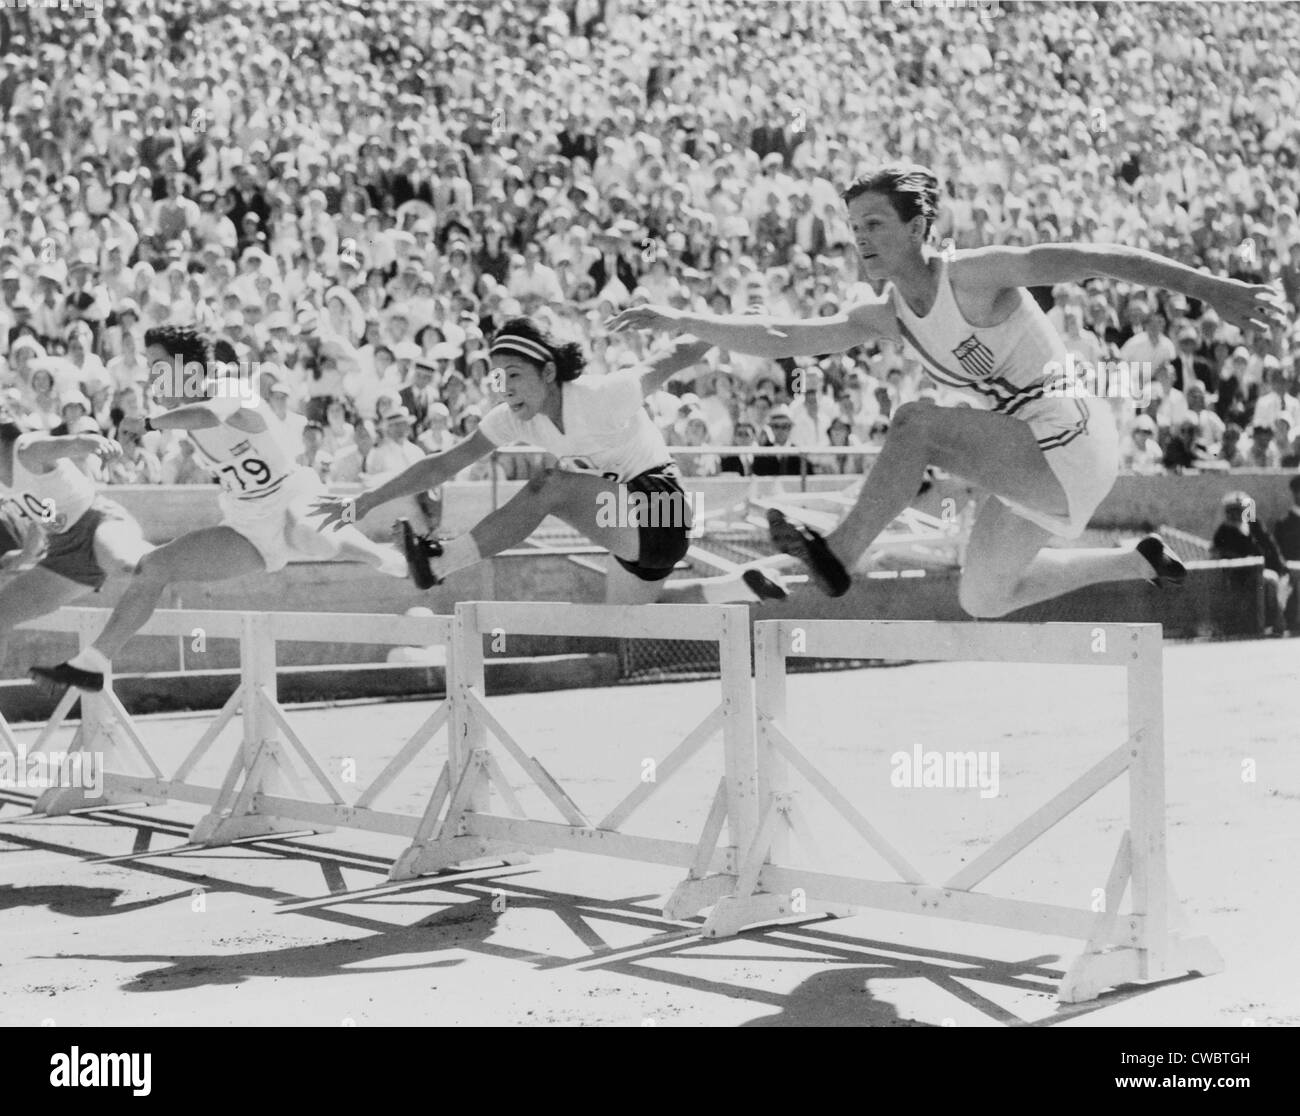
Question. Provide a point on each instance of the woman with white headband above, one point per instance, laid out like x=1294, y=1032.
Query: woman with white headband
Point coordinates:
x=616, y=481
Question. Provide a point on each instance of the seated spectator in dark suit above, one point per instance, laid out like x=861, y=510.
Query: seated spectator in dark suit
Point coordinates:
x=1230, y=448
x=1184, y=450
x=740, y=463
x=779, y=425
x=1287, y=529
x=1287, y=442
x=1240, y=535
x=1236, y=402
x=1287, y=533
x=1188, y=367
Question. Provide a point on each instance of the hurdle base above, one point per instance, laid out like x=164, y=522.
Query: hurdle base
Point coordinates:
x=692, y=896
x=60, y=801
x=222, y=829
x=734, y=913
x=460, y=854
x=1094, y=973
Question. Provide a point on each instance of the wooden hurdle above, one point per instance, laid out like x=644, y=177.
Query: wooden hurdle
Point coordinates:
x=261, y=793
x=457, y=824
x=1146, y=944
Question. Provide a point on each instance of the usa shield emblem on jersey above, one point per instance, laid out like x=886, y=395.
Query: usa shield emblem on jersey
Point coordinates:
x=975, y=357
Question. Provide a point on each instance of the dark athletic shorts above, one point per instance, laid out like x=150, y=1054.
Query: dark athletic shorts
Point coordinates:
x=662, y=547
x=72, y=553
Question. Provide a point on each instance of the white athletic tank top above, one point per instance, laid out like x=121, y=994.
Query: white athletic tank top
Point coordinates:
x=1012, y=366
x=249, y=466
x=54, y=500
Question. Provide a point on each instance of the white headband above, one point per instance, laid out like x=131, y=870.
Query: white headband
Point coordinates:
x=522, y=345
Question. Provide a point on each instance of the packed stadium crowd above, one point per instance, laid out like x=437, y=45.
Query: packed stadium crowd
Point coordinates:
x=355, y=197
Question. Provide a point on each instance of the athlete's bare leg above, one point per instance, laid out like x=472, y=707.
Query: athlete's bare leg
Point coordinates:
x=583, y=501
x=347, y=543
x=211, y=554
x=1001, y=454
x=576, y=498
x=1009, y=565
x=35, y=592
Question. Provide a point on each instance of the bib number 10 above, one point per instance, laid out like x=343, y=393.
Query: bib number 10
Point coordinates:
x=258, y=473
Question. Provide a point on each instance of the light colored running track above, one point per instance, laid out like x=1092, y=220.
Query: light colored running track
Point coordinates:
x=576, y=940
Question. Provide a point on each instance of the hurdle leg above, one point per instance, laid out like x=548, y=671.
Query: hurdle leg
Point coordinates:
x=7, y=737
x=452, y=846
x=63, y=800
x=102, y=718
x=259, y=762
x=746, y=906
x=1164, y=951
x=700, y=890
x=469, y=769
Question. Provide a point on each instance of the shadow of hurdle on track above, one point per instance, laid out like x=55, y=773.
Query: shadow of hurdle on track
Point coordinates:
x=838, y=993
x=470, y=914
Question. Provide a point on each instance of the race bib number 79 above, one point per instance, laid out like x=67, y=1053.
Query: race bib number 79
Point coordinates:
x=245, y=475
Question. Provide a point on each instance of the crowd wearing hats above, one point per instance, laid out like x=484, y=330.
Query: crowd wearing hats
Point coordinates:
x=358, y=199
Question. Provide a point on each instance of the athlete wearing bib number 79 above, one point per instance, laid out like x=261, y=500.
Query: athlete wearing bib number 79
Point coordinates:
x=87, y=537
x=1045, y=450
x=265, y=501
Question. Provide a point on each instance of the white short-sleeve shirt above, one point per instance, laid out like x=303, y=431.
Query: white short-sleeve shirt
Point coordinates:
x=606, y=428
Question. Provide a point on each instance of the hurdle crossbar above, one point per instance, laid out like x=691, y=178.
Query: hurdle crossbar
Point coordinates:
x=460, y=824
x=1145, y=944
x=261, y=792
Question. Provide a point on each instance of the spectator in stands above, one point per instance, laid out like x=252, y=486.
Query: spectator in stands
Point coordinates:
x=1276, y=400
x=1168, y=406
x=1240, y=535
x=1235, y=401
x=1287, y=441
x=351, y=463
x=339, y=432
x=780, y=426
x=1209, y=426
x=289, y=200
x=742, y=464
x=313, y=455
x=74, y=411
x=396, y=451
x=1150, y=346
x=1189, y=368
x=696, y=433
x=840, y=433
x=1262, y=453
x=1140, y=452
x=436, y=436
x=1185, y=451
x=180, y=466
x=136, y=465
x=1230, y=450
x=1286, y=533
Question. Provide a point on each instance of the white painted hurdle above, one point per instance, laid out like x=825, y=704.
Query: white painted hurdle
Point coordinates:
x=1146, y=944
x=459, y=824
x=745, y=877
x=251, y=800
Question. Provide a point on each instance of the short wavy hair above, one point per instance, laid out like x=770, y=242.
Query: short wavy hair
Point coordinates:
x=913, y=191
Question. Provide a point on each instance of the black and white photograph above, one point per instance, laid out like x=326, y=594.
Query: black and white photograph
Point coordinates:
x=676, y=514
